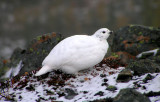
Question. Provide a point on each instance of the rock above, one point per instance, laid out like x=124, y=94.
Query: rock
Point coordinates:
x=156, y=59
x=158, y=52
x=104, y=84
x=105, y=80
x=112, y=61
x=30, y=88
x=153, y=55
x=125, y=57
x=70, y=93
x=130, y=95
x=103, y=100
x=148, y=54
x=100, y=93
x=148, y=77
x=10, y=65
x=124, y=76
x=143, y=66
x=31, y=58
x=17, y=56
x=37, y=50
x=151, y=94
x=122, y=57
x=135, y=39
x=48, y=92
x=103, y=75
x=111, y=88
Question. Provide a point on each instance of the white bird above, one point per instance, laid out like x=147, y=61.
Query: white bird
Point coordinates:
x=77, y=52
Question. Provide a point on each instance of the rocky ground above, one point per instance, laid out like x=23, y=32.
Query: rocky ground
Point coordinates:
x=130, y=73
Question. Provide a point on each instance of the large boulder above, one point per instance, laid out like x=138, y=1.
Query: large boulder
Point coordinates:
x=31, y=58
x=143, y=66
x=135, y=39
x=37, y=50
x=10, y=67
x=130, y=95
x=156, y=59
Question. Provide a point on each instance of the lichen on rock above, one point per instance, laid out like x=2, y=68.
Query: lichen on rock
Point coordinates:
x=135, y=39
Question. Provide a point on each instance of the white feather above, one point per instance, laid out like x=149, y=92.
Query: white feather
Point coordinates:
x=76, y=53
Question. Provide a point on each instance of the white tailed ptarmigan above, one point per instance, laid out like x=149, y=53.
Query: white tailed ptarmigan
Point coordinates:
x=77, y=52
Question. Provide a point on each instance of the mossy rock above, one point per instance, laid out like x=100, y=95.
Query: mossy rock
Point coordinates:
x=38, y=49
x=33, y=56
x=111, y=88
x=135, y=39
x=143, y=66
x=130, y=95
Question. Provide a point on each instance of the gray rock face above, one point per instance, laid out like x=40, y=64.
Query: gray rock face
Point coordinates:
x=149, y=54
x=156, y=59
x=135, y=39
x=130, y=95
x=37, y=50
x=143, y=66
x=33, y=56
x=11, y=64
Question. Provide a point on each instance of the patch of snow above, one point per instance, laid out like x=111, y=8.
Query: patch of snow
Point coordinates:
x=13, y=71
x=89, y=82
x=92, y=86
x=155, y=99
x=152, y=85
x=150, y=51
x=7, y=74
x=17, y=68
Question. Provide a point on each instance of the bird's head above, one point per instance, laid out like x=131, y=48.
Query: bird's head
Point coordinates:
x=103, y=33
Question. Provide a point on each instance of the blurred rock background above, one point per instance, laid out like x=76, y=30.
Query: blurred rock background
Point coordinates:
x=21, y=21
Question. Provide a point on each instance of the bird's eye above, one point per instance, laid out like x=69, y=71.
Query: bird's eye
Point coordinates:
x=103, y=32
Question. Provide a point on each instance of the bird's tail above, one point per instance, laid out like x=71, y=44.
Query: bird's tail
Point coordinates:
x=43, y=70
